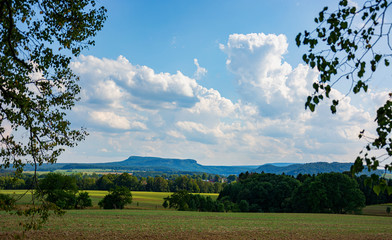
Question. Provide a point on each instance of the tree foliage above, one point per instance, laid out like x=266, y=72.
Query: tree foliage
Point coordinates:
x=350, y=44
x=37, y=86
x=327, y=192
x=37, y=40
x=62, y=190
x=185, y=201
x=263, y=192
x=7, y=203
x=116, y=199
x=83, y=200
x=330, y=193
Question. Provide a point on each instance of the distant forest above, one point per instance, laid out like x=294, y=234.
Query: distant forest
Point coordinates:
x=202, y=183
x=264, y=183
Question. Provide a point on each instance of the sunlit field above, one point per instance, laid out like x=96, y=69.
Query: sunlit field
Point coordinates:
x=140, y=200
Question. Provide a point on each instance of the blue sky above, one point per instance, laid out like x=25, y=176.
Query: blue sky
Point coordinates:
x=221, y=82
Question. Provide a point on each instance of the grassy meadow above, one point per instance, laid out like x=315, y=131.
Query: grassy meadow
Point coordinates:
x=140, y=220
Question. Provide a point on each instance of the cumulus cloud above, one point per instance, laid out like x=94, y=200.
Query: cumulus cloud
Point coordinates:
x=200, y=71
x=115, y=121
x=133, y=110
x=263, y=77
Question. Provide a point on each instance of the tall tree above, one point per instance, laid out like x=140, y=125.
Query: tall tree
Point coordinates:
x=37, y=86
x=350, y=44
x=37, y=40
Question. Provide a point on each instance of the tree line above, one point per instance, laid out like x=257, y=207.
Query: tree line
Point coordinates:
x=331, y=192
x=253, y=192
x=203, y=183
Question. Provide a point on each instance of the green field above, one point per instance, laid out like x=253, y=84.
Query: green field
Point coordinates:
x=151, y=224
x=135, y=222
x=141, y=200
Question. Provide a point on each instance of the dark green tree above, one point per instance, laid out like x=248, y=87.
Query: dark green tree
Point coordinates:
x=310, y=196
x=244, y=206
x=343, y=193
x=328, y=192
x=179, y=200
x=126, y=180
x=350, y=44
x=116, y=199
x=165, y=204
x=83, y=200
x=263, y=192
x=59, y=189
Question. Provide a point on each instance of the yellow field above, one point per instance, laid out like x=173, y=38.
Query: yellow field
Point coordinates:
x=140, y=200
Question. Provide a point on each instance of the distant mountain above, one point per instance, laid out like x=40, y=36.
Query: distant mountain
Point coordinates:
x=156, y=164
x=308, y=168
x=186, y=166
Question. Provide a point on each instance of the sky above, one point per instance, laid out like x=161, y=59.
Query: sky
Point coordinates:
x=221, y=82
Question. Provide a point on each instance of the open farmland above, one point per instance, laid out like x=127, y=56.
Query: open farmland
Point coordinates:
x=135, y=223
x=150, y=224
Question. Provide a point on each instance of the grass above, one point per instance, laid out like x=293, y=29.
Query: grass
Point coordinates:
x=136, y=222
x=150, y=224
x=377, y=210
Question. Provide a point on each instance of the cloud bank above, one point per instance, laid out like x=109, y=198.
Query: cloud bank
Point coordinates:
x=133, y=110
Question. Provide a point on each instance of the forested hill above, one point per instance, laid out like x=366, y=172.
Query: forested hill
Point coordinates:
x=309, y=168
x=172, y=165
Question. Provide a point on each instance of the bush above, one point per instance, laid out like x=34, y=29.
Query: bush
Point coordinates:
x=59, y=189
x=116, y=199
x=7, y=203
x=244, y=206
x=83, y=200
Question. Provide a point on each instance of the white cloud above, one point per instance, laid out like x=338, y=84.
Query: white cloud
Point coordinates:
x=200, y=71
x=263, y=78
x=115, y=121
x=132, y=110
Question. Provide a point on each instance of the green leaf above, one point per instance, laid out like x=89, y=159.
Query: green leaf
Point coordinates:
x=298, y=39
x=377, y=189
x=343, y=3
x=327, y=91
x=315, y=100
x=316, y=86
x=333, y=109
x=311, y=107
x=389, y=190
x=368, y=182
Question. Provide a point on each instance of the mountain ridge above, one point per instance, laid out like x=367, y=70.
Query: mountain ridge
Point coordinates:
x=174, y=165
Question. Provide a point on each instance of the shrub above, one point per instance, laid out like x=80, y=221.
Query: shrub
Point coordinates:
x=7, y=203
x=116, y=199
x=83, y=200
